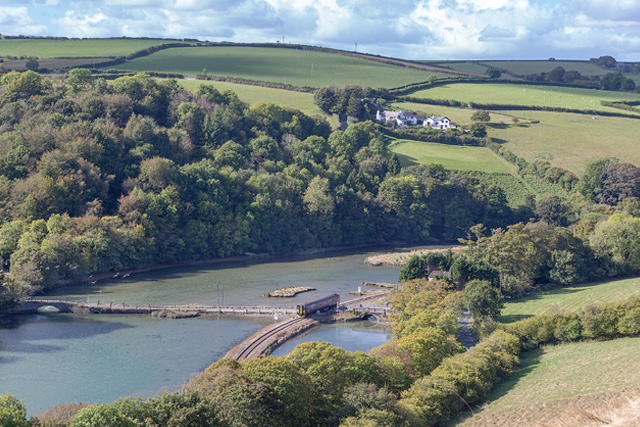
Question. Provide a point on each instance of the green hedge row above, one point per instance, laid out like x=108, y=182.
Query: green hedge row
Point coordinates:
x=467, y=378
x=460, y=381
x=427, y=135
x=594, y=321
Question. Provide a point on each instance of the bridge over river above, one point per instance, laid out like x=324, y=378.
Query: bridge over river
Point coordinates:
x=259, y=344
x=33, y=305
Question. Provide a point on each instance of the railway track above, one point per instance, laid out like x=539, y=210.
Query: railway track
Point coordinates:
x=256, y=343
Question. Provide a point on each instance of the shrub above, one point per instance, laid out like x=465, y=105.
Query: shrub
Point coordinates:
x=599, y=321
x=12, y=411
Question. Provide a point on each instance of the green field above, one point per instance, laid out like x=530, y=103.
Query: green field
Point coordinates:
x=570, y=140
x=467, y=67
x=571, y=298
x=450, y=156
x=254, y=94
x=293, y=66
x=553, y=378
x=74, y=48
x=53, y=63
x=521, y=68
x=524, y=94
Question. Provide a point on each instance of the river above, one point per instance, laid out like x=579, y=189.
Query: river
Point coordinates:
x=51, y=359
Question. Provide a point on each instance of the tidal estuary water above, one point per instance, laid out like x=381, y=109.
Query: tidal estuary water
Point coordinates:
x=56, y=358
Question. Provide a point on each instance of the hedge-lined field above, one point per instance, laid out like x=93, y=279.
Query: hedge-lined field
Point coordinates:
x=74, y=48
x=585, y=68
x=570, y=140
x=571, y=298
x=292, y=66
x=556, y=376
x=527, y=94
x=450, y=156
x=467, y=67
x=254, y=94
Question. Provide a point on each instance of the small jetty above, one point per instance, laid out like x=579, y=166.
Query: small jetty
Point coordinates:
x=288, y=292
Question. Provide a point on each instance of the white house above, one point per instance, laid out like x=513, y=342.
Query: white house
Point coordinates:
x=435, y=122
x=401, y=119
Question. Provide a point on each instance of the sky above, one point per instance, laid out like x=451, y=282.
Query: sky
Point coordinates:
x=411, y=29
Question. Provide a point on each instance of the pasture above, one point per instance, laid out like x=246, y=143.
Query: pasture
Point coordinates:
x=464, y=66
x=450, y=156
x=74, y=48
x=570, y=299
x=569, y=140
x=559, y=382
x=254, y=94
x=527, y=94
x=292, y=66
x=53, y=63
x=521, y=68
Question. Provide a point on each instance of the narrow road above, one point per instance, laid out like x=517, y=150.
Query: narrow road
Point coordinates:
x=465, y=335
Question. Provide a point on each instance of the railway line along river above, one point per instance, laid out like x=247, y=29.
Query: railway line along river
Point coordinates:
x=56, y=358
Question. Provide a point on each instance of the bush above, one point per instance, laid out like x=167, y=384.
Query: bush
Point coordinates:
x=464, y=379
x=12, y=411
x=599, y=321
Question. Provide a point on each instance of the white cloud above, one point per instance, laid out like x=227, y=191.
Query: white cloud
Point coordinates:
x=16, y=20
x=421, y=29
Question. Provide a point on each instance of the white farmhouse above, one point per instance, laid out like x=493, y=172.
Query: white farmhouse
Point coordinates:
x=435, y=122
x=401, y=119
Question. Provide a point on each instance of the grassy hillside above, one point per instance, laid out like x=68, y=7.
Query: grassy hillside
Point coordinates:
x=450, y=156
x=253, y=94
x=293, y=66
x=74, y=48
x=464, y=66
x=570, y=299
x=521, y=68
x=524, y=94
x=549, y=382
x=569, y=140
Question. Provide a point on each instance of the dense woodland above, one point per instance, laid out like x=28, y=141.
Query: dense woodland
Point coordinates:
x=99, y=176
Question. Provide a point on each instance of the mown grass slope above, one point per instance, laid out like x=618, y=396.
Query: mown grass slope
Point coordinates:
x=74, y=48
x=569, y=140
x=570, y=298
x=527, y=94
x=450, y=156
x=254, y=94
x=521, y=68
x=293, y=66
x=557, y=382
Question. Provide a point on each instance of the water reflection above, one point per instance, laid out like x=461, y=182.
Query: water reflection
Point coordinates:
x=47, y=360
x=353, y=336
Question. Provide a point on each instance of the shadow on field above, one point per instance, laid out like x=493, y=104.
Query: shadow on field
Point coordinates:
x=499, y=140
x=406, y=161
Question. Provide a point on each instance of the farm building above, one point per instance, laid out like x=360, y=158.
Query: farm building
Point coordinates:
x=435, y=122
x=401, y=118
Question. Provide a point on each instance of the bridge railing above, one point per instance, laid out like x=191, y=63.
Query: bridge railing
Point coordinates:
x=257, y=309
